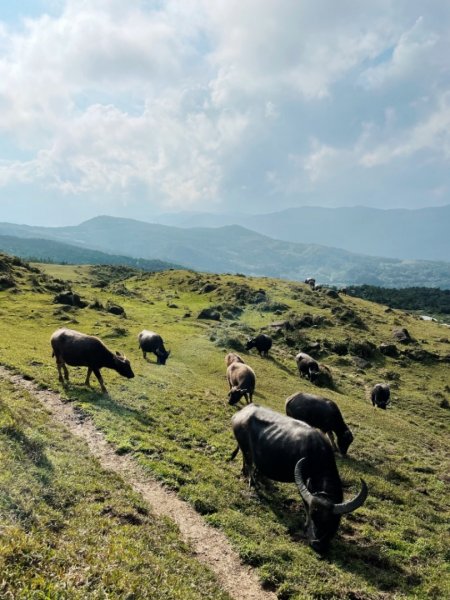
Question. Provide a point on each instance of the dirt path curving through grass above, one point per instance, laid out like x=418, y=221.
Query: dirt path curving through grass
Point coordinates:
x=210, y=546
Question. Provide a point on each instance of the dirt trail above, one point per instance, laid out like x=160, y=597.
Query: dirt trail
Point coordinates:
x=210, y=546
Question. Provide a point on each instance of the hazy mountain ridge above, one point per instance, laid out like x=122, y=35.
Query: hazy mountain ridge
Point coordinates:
x=236, y=249
x=49, y=250
x=420, y=234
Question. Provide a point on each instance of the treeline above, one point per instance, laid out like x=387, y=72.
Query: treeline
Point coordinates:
x=428, y=300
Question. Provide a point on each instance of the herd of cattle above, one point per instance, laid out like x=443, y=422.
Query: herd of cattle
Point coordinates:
x=297, y=447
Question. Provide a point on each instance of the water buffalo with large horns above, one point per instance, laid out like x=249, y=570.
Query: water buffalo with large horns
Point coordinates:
x=80, y=350
x=283, y=449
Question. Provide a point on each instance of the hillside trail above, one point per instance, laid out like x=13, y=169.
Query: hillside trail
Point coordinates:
x=209, y=545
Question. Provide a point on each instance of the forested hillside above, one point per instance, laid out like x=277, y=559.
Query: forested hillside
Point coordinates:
x=428, y=300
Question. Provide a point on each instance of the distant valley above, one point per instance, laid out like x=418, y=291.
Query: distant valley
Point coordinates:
x=236, y=249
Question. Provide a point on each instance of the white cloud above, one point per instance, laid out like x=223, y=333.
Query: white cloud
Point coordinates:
x=432, y=134
x=192, y=101
x=413, y=53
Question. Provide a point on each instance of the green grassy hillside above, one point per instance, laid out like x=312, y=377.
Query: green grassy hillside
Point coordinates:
x=58, y=252
x=175, y=421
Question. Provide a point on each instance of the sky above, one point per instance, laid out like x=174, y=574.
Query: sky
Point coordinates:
x=143, y=107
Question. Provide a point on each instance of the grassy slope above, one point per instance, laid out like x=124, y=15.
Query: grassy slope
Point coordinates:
x=49, y=250
x=70, y=530
x=175, y=421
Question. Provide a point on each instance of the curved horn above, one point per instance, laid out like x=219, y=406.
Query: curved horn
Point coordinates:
x=304, y=492
x=351, y=505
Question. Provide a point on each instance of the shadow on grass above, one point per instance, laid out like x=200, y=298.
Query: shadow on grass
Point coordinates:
x=80, y=393
x=369, y=561
x=365, y=558
x=282, y=367
x=33, y=449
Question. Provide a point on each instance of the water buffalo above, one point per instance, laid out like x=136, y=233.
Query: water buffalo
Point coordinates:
x=321, y=413
x=241, y=379
x=310, y=281
x=283, y=449
x=262, y=342
x=149, y=341
x=80, y=350
x=232, y=357
x=307, y=366
x=380, y=395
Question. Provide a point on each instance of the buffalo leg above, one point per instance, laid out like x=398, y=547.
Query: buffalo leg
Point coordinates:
x=100, y=380
x=88, y=377
x=61, y=366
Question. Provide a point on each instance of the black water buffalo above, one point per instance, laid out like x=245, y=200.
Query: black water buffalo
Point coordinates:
x=80, y=350
x=149, y=341
x=287, y=450
x=310, y=281
x=321, y=413
x=262, y=342
x=307, y=366
x=380, y=395
x=241, y=379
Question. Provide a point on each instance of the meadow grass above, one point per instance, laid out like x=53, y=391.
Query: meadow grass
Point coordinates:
x=68, y=529
x=175, y=421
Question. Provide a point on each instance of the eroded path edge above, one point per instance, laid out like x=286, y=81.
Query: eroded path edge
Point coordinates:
x=210, y=546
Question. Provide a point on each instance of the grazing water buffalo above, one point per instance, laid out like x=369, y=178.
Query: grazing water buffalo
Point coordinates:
x=232, y=357
x=321, y=413
x=284, y=449
x=262, y=342
x=380, y=395
x=307, y=366
x=149, y=341
x=241, y=379
x=80, y=350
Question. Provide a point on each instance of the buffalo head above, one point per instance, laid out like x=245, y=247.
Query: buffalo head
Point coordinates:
x=323, y=515
x=344, y=441
x=162, y=356
x=122, y=365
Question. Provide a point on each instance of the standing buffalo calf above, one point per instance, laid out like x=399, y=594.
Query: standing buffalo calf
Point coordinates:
x=284, y=449
x=262, y=342
x=321, y=413
x=80, y=350
x=380, y=395
x=241, y=379
x=307, y=366
x=149, y=341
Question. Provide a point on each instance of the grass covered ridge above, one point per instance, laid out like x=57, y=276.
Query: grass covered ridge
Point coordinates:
x=175, y=420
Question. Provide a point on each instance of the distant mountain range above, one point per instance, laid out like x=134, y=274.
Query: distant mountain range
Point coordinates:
x=421, y=234
x=236, y=249
x=48, y=250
